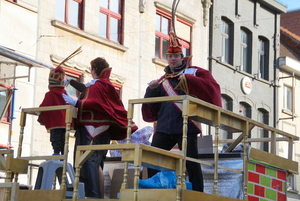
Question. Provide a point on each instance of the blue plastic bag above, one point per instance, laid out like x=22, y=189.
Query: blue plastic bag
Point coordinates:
x=164, y=180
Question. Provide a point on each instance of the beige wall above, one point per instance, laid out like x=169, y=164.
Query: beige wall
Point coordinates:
x=35, y=33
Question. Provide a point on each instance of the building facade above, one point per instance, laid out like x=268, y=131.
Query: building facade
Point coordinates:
x=244, y=47
x=289, y=77
x=131, y=35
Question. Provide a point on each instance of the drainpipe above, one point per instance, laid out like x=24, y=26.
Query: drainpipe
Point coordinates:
x=275, y=74
x=141, y=10
x=210, y=35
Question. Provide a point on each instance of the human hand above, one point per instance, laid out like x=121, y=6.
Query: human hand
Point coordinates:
x=66, y=81
x=69, y=100
x=153, y=84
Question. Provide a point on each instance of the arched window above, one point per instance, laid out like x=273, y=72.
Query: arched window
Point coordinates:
x=227, y=104
x=246, y=49
x=263, y=58
x=246, y=111
x=263, y=117
x=226, y=41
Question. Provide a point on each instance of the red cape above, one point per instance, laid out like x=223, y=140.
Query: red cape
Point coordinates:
x=57, y=118
x=202, y=86
x=101, y=105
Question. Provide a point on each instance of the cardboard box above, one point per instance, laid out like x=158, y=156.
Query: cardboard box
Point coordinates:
x=117, y=179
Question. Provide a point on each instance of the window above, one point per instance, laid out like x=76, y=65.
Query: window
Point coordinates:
x=110, y=19
x=246, y=111
x=227, y=104
x=162, y=29
x=263, y=117
x=70, y=12
x=245, y=50
x=5, y=103
x=263, y=58
x=70, y=74
x=288, y=98
x=226, y=41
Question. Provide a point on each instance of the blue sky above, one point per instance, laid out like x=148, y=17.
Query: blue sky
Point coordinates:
x=291, y=4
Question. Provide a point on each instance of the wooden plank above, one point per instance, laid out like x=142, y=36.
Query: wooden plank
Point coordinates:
x=170, y=195
x=149, y=194
x=16, y=165
x=40, y=195
x=191, y=195
x=36, y=110
x=150, y=159
x=274, y=160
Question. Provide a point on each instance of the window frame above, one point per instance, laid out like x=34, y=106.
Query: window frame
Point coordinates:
x=288, y=98
x=263, y=117
x=246, y=111
x=109, y=15
x=67, y=13
x=227, y=103
x=186, y=45
x=226, y=41
x=245, y=50
x=74, y=74
x=7, y=115
x=263, y=58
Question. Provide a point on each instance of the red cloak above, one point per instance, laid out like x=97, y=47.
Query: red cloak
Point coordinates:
x=101, y=105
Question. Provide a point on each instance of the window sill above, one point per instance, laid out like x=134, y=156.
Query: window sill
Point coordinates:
x=236, y=70
x=86, y=35
x=288, y=112
x=292, y=191
x=159, y=62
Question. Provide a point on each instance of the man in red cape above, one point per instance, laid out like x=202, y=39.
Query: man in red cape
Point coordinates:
x=101, y=117
x=179, y=79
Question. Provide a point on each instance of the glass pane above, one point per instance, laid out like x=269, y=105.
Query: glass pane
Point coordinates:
x=225, y=27
x=157, y=23
x=2, y=101
x=102, y=25
x=71, y=90
x=157, y=42
x=165, y=26
x=183, y=31
x=165, y=48
x=226, y=50
x=114, y=29
x=244, y=37
x=115, y=6
x=104, y=3
x=74, y=13
x=60, y=10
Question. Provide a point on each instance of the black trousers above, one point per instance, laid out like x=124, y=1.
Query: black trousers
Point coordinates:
x=89, y=173
x=57, y=139
x=167, y=142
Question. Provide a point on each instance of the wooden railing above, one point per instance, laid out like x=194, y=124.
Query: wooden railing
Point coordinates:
x=195, y=109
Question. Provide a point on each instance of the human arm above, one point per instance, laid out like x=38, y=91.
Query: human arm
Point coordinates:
x=77, y=85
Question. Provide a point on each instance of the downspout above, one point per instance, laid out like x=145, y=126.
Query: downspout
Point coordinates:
x=275, y=74
x=141, y=10
x=210, y=35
